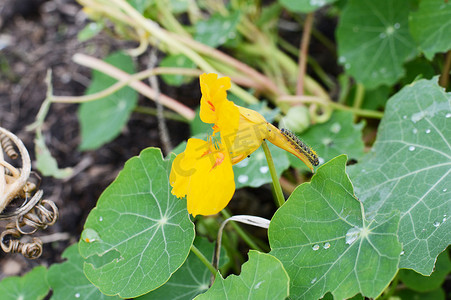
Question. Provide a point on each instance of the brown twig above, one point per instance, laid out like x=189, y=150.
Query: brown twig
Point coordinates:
x=303, y=53
x=444, y=77
x=99, y=65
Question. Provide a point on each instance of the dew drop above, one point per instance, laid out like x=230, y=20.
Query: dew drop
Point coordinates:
x=404, y=117
x=243, y=178
x=444, y=220
x=342, y=59
x=77, y=295
x=436, y=224
x=352, y=235
x=390, y=30
x=313, y=280
x=264, y=169
x=402, y=252
x=260, y=156
x=444, y=190
x=226, y=25
x=347, y=66
x=100, y=219
x=428, y=131
x=335, y=128
x=411, y=148
x=326, y=245
x=382, y=35
x=415, y=131
x=320, y=160
x=315, y=247
x=397, y=25
x=243, y=163
x=257, y=286
x=122, y=105
x=231, y=35
x=448, y=115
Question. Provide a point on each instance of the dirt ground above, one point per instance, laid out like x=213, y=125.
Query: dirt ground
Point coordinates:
x=36, y=35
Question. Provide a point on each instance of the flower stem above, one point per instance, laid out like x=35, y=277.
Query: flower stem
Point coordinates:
x=203, y=259
x=275, y=179
x=243, y=234
x=444, y=77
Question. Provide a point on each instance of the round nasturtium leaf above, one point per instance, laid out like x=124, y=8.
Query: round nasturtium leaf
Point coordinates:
x=304, y=6
x=68, y=281
x=374, y=40
x=139, y=234
x=325, y=243
x=32, y=285
x=431, y=26
x=193, y=277
x=262, y=277
x=409, y=170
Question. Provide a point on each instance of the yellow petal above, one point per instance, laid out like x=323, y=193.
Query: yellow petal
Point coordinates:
x=214, y=94
x=205, y=176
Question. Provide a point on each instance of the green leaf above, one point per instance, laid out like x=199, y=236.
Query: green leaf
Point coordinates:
x=437, y=294
x=337, y=136
x=431, y=26
x=304, y=6
x=139, y=233
x=102, y=120
x=420, y=283
x=90, y=31
x=374, y=40
x=176, y=61
x=325, y=243
x=419, y=68
x=408, y=170
x=46, y=163
x=191, y=279
x=254, y=171
x=68, y=281
x=262, y=277
x=217, y=30
x=32, y=285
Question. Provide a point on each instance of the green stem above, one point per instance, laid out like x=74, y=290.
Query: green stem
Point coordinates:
x=275, y=179
x=243, y=234
x=358, y=99
x=203, y=259
x=311, y=99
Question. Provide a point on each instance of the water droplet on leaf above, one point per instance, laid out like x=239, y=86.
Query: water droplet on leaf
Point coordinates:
x=264, y=169
x=326, y=245
x=243, y=178
x=411, y=148
x=315, y=247
x=352, y=235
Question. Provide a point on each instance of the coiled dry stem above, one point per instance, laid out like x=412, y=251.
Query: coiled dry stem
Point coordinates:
x=20, y=200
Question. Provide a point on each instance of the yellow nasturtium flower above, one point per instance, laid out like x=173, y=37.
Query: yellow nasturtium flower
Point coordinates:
x=203, y=172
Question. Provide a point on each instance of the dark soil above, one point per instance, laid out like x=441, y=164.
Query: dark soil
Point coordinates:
x=40, y=35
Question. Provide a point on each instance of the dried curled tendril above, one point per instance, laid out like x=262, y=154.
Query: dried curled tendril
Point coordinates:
x=21, y=201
